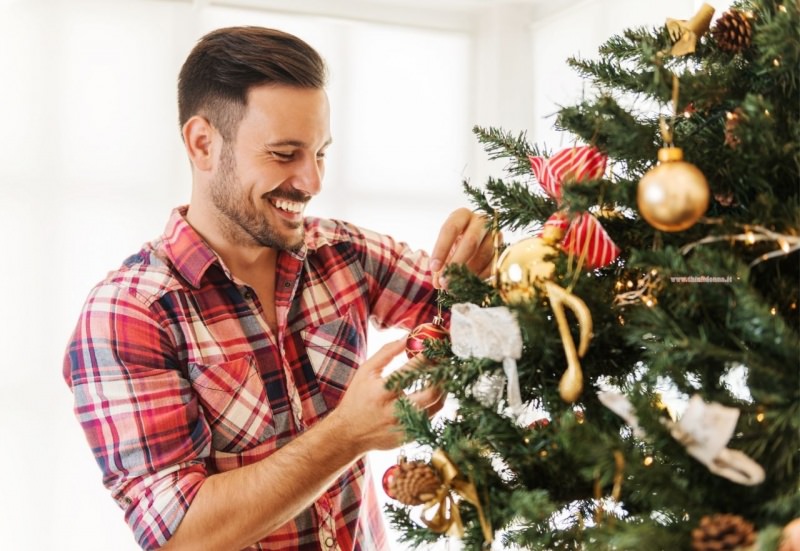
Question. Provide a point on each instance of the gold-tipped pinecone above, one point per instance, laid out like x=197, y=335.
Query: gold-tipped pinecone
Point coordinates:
x=723, y=532
x=733, y=32
x=414, y=483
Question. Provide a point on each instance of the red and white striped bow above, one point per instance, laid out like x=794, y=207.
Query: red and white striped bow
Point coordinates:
x=583, y=235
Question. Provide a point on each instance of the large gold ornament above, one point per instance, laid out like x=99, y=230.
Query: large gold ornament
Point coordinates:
x=673, y=195
x=524, y=270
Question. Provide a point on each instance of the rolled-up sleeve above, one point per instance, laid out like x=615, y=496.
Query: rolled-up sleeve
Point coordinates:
x=139, y=415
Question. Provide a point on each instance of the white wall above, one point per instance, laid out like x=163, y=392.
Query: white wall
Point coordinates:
x=91, y=164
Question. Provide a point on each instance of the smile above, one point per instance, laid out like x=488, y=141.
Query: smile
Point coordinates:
x=288, y=206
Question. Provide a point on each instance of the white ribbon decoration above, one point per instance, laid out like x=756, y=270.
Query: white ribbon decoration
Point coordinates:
x=491, y=333
x=705, y=430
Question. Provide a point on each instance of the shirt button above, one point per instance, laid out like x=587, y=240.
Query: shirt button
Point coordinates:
x=248, y=295
x=287, y=284
x=329, y=542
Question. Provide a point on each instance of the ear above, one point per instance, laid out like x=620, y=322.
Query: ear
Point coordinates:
x=198, y=138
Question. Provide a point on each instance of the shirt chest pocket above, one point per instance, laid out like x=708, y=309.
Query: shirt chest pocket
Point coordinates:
x=335, y=350
x=235, y=403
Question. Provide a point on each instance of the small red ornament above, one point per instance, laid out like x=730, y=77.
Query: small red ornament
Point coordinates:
x=388, y=477
x=415, y=343
x=539, y=424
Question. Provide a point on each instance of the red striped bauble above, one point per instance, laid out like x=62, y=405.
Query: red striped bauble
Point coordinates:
x=415, y=343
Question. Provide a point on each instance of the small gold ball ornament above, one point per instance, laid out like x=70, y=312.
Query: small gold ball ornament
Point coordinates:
x=674, y=195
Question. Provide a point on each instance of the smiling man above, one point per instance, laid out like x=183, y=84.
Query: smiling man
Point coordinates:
x=220, y=373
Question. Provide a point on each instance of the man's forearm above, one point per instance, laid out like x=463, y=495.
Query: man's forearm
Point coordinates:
x=237, y=508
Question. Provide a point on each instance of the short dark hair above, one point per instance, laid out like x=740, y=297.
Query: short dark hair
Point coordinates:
x=226, y=63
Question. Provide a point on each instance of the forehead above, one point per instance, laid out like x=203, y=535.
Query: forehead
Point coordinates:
x=287, y=113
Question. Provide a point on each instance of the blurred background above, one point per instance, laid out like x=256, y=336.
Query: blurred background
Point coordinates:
x=91, y=164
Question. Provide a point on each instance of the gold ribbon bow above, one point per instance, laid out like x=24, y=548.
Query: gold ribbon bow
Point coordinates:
x=446, y=518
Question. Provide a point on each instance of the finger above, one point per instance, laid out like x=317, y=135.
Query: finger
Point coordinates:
x=385, y=354
x=430, y=399
x=454, y=226
x=471, y=240
x=482, y=259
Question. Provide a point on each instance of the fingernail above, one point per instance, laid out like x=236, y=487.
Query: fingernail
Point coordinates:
x=443, y=282
x=435, y=265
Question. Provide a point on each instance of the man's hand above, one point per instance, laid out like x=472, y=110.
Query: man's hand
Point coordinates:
x=463, y=239
x=367, y=409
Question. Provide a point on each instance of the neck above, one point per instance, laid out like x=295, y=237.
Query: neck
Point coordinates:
x=247, y=261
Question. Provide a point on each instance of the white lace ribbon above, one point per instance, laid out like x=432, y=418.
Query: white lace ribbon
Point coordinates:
x=491, y=333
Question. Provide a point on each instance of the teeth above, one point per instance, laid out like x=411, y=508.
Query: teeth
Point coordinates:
x=289, y=206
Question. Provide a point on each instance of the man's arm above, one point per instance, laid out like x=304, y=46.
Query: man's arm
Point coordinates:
x=235, y=509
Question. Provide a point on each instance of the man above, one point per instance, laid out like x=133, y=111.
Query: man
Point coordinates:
x=220, y=372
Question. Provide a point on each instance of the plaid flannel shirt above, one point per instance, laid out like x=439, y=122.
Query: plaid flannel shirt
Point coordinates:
x=176, y=376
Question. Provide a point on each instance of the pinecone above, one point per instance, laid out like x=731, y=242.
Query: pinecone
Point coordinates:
x=733, y=32
x=414, y=483
x=723, y=532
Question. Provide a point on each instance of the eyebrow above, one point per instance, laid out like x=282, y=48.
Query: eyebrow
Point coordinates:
x=296, y=143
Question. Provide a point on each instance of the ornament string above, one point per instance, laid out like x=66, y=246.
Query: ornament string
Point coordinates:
x=446, y=517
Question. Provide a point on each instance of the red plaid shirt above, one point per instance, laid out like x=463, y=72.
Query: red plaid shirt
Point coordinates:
x=176, y=376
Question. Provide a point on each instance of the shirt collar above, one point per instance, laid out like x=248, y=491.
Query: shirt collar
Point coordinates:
x=192, y=256
x=189, y=253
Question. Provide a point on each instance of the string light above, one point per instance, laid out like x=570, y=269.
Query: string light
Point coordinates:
x=543, y=453
x=648, y=461
x=630, y=284
x=787, y=243
x=777, y=63
x=766, y=112
x=773, y=310
x=760, y=417
x=781, y=8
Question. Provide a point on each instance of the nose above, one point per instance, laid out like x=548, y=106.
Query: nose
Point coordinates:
x=309, y=176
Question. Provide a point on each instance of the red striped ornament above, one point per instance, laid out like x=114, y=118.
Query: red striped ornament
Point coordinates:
x=584, y=236
x=415, y=342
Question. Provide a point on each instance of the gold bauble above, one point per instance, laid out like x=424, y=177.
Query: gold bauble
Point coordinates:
x=521, y=266
x=673, y=195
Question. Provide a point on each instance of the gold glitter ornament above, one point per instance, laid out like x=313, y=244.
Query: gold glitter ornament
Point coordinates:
x=674, y=194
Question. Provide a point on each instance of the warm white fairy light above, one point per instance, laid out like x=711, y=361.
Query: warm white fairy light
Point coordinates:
x=787, y=243
x=644, y=291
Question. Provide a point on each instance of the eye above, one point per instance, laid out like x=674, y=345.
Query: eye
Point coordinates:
x=321, y=155
x=282, y=156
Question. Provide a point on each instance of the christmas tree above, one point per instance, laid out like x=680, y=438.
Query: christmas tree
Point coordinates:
x=630, y=376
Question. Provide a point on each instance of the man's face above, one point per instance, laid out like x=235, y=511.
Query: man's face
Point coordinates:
x=264, y=180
